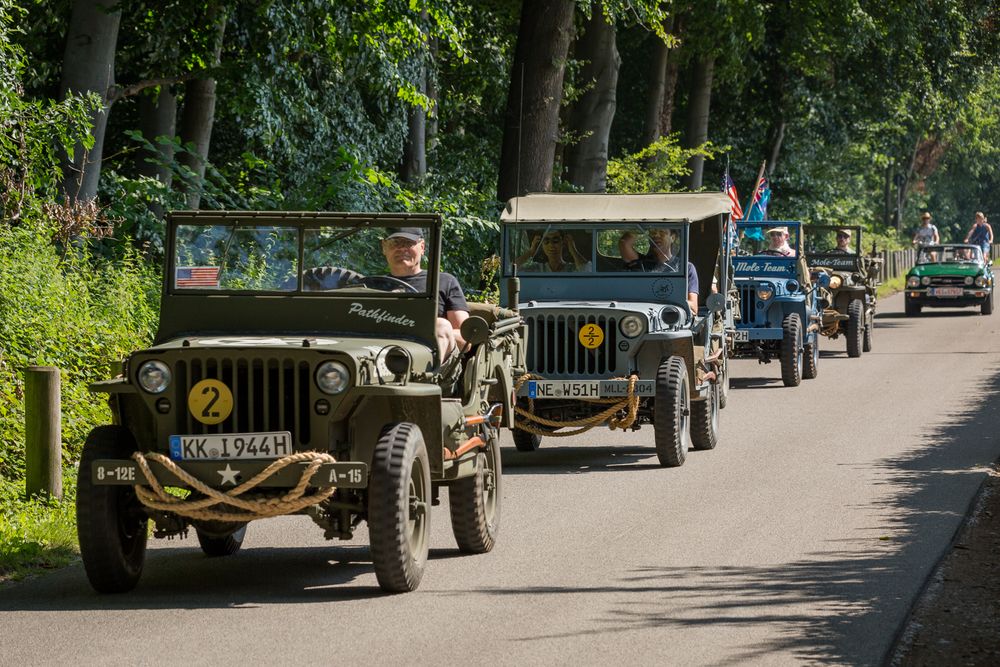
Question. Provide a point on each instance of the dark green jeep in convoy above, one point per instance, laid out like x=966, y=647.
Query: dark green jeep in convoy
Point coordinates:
x=291, y=374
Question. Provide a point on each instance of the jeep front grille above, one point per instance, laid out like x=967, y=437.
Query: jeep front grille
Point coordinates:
x=554, y=347
x=748, y=304
x=269, y=394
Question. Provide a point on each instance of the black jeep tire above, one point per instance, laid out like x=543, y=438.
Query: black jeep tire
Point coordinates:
x=215, y=546
x=705, y=420
x=671, y=412
x=866, y=343
x=987, y=307
x=810, y=360
x=399, y=503
x=855, y=327
x=724, y=382
x=111, y=524
x=791, y=350
x=526, y=442
x=475, y=502
x=911, y=309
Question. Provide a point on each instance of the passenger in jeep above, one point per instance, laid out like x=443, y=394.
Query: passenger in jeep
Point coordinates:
x=843, y=243
x=660, y=258
x=404, y=249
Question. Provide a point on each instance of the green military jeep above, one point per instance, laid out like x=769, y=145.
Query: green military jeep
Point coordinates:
x=624, y=298
x=849, y=300
x=291, y=374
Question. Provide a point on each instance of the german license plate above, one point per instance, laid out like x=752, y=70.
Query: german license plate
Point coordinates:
x=944, y=291
x=219, y=446
x=741, y=336
x=587, y=388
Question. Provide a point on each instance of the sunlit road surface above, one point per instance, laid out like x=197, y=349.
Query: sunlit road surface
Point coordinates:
x=803, y=538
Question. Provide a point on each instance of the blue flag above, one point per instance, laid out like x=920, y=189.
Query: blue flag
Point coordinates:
x=758, y=207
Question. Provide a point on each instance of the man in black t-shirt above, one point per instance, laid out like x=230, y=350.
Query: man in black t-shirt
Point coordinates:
x=404, y=249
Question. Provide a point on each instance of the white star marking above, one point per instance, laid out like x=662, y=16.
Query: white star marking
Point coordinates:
x=229, y=475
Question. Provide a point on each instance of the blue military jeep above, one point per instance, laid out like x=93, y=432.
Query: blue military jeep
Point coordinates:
x=623, y=299
x=778, y=315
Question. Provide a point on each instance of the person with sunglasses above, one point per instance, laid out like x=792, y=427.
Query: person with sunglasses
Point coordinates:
x=843, y=243
x=660, y=258
x=554, y=244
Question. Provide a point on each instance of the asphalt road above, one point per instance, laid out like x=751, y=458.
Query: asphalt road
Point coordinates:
x=804, y=537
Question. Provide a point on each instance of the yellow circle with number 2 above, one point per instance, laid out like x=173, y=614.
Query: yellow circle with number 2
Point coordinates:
x=210, y=402
x=591, y=336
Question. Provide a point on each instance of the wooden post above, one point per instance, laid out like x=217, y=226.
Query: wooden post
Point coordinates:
x=42, y=431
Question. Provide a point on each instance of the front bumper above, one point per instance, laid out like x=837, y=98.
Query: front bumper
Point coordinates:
x=969, y=297
x=230, y=473
x=747, y=335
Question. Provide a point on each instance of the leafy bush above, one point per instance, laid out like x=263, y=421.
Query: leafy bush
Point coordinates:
x=37, y=533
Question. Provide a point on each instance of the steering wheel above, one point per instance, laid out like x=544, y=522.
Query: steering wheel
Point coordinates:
x=773, y=253
x=384, y=283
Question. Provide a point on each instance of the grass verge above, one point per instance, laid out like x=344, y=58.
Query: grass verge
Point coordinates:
x=891, y=286
x=36, y=534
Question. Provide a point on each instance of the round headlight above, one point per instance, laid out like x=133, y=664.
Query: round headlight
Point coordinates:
x=835, y=282
x=980, y=281
x=792, y=285
x=332, y=377
x=154, y=377
x=913, y=281
x=631, y=326
x=925, y=280
x=765, y=292
x=671, y=315
x=968, y=280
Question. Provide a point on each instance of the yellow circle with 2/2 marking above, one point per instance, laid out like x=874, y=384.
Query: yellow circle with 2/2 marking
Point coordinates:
x=210, y=401
x=591, y=336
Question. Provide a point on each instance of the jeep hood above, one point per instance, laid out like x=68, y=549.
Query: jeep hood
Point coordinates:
x=964, y=269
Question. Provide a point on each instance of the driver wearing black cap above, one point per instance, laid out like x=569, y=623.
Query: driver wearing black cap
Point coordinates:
x=403, y=248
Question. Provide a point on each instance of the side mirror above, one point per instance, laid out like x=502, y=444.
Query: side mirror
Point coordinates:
x=475, y=330
x=716, y=303
x=823, y=279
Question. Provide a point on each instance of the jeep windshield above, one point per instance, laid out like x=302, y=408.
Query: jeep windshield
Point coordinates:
x=342, y=258
x=591, y=249
x=767, y=240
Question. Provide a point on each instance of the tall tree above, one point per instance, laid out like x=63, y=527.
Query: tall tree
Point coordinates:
x=590, y=120
x=699, y=104
x=531, y=124
x=198, y=115
x=663, y=82
x=89, y=66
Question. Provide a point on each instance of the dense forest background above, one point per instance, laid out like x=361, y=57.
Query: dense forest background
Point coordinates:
x=111, y=113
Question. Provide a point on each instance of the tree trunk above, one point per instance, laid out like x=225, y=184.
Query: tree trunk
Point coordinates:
x=531, y=125
x=658, y=86
x=592, y=114
x=157, y=118
x=89, y=66
x=434, y=95
x=698, y=110
x=777, y=138
x=669, y=96
x=197, y=119
x=414, y=166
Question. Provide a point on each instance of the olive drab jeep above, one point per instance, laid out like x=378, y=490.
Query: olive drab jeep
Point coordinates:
x=612, y=338
x=778, y=315
x=848, y=302
x=291, y=374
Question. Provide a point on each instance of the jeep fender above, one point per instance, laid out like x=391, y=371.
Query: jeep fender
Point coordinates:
x=659, y=346
x=377, y=406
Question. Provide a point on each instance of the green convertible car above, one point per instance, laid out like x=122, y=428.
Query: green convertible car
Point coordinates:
x=950, y=276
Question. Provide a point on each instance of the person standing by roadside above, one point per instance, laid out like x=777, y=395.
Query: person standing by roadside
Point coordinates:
x=981, y=234
x=927, y=234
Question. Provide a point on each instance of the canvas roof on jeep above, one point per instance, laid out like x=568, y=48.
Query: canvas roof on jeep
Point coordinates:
x=580, y=207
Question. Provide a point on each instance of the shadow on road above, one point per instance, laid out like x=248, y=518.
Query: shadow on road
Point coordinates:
x=835, y=611
x=578, y=460
x=183, y=578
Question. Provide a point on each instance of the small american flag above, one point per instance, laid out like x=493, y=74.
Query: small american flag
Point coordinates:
x=730, y=189
x=197, y=276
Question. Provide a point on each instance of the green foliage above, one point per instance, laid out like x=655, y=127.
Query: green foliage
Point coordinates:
x=36, y=534
x=658, y=167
